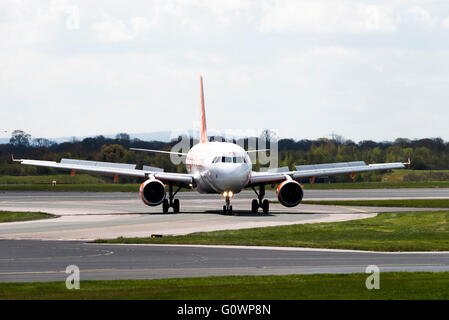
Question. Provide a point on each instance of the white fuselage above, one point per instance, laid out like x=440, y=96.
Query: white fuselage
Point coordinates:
x=219, y=167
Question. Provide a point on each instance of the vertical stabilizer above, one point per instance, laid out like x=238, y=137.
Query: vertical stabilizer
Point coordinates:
x=203, y=137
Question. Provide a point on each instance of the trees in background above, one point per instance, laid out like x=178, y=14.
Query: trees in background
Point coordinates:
x=425, y=153
x=20, y=139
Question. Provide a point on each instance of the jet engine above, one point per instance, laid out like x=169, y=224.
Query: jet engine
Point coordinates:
x=289, y=193
x=152, y=192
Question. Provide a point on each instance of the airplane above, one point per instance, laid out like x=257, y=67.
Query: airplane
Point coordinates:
x=215, y=167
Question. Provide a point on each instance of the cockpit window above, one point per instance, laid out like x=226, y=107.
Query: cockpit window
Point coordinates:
x=234, y=159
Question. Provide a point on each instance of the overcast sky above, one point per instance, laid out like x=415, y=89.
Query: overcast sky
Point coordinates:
x=361, y=69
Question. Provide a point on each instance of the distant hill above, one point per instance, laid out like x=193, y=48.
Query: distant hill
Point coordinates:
x=163, y=136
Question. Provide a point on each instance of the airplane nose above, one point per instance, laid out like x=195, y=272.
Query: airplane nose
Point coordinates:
x=231, y=177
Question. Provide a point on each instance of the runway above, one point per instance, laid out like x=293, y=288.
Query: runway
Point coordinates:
x=28, y=260
x=89, y=216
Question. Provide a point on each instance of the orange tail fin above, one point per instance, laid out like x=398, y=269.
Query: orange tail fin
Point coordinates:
x=203, y=137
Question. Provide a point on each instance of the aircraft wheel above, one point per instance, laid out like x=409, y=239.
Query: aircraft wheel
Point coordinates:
x=230, y=210
x=165, y=206
x=265, y=206
x=224, y=210
x=176, y=205
x=254, y=206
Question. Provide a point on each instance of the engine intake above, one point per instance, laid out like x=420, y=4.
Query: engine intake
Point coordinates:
x=152, y=192
x=289, y=193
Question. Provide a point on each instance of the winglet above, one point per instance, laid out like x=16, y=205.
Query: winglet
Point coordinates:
x=409, y=163
x=203, y=138
x=14, y=160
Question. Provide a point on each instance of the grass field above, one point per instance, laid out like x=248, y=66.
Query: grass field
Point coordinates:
x=377, y=185
x=47, y=179
x=85, y=182
x=409, y=203
x=398, y=285
x=131, y=187
x=106, y=187
x=407, y=231
x=416, y=175
x=8, y=216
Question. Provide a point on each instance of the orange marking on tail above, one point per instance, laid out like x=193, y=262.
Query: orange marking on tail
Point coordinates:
x=203, y=138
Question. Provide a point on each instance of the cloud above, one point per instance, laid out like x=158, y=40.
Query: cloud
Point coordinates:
x=445, y=23
x=24, y=24
x=117, y=30
x=423, y=17
x=340, y=16
x=172, y=16
x=279, y=63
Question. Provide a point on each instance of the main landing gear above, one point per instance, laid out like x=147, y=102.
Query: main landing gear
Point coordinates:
x=171, y=202
x=227, y=208
x=260, y=202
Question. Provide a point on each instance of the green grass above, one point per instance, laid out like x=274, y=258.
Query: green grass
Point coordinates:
x=405, y=231
x=410, y=203
x=376, y=185
x=416, y=175
x=89, y=183
x=397, y=285
x=371, y=185
x=8, y=216
x=47, y=179
x=131, y=187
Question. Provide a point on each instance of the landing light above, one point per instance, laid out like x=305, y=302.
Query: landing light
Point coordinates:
x=229, y=194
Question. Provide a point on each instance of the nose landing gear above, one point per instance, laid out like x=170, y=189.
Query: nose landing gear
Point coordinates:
x=260, y=202
x=227, y=208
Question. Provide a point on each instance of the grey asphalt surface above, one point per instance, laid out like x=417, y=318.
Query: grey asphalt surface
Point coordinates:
x=93, y=213
x=32, y=260
x=88, y=216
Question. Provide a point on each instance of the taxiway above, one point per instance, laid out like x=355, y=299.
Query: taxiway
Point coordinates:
x=88, y=216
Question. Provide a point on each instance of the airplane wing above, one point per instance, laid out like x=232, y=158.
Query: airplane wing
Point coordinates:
x=109, y=168
x=159, y=151
x=317, y=170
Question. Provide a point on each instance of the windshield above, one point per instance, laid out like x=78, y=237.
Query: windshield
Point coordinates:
x=227, y=159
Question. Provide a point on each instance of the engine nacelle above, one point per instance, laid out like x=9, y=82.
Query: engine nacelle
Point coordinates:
x=152, y=192
x=289, y=193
